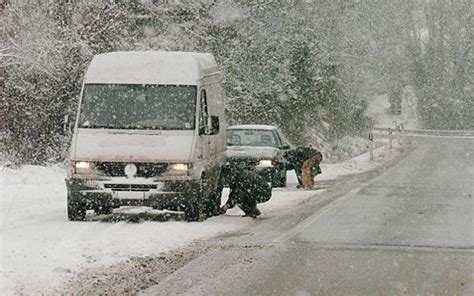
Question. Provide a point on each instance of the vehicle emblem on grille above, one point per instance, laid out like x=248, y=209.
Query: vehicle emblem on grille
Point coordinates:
x=130, y=170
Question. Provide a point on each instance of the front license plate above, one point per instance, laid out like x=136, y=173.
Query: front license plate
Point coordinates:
x=128, y=195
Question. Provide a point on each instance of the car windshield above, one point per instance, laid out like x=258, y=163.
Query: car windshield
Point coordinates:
x=137, y=106
x=252, y=137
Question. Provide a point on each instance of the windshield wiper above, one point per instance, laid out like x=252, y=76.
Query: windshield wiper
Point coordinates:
x=132, y=127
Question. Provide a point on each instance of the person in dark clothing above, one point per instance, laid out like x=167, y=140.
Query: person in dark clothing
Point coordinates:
x=247, y=189
x=298, y=156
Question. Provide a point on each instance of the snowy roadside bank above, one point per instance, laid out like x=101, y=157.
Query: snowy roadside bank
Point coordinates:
x=41, y=249
x=359, y=164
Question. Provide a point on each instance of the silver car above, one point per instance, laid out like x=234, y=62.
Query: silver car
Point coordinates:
x=260, y=148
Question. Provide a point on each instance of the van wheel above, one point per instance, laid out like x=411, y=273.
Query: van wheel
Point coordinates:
x=76, y=209
x=194, y=211
x=193, y=208
x=213, y=205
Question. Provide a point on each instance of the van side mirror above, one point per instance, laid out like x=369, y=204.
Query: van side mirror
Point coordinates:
x=65, y=123
x=285, y=147
x=68, y=124
x=212, y=126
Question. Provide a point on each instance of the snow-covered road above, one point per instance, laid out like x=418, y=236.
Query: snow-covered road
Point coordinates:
x=41, y=249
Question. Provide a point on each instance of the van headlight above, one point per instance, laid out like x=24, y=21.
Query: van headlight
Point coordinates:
x=266, y=163
x=83, y=167
x=179, y=169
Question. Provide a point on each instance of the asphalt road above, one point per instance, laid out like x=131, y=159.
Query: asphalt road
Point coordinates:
x=407, y=230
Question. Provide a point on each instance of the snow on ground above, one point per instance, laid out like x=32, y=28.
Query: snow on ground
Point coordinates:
x=41, y=249
x=282, y=198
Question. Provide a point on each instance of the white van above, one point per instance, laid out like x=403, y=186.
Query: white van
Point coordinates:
x=150, y=131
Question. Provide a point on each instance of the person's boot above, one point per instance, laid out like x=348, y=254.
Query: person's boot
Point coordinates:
x=253, y=213
x=224, y=209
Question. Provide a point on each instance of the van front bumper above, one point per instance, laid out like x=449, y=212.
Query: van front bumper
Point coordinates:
x=115, y=193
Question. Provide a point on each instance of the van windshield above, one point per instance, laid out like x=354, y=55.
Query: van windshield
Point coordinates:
x=137, y=106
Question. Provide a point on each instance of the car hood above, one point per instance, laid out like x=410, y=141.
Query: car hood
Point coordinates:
x=132, y=145
x=250, y=151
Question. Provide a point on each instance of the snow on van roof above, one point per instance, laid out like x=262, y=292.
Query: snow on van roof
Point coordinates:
x=253, y=127
x=150, y=67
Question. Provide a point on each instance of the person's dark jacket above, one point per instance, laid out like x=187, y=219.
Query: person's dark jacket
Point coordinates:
x=297, y=157
x=247, y=186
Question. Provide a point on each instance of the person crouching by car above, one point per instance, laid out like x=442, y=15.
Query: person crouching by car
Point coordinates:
x=310, y=169
x=247, y=189
x=297, y=159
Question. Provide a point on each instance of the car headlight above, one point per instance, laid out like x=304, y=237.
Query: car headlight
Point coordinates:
x=83, y=167
x=180, y=166
x=267, y=163
x=179, y=169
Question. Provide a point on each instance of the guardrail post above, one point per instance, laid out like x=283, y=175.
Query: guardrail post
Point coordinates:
x=390, y=138
x=400, y=133
x=371, y=146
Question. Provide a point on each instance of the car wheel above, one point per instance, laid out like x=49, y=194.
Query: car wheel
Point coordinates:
x=76, y=208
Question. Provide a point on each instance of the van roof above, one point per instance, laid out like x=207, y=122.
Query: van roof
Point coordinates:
x=150, y=67
x=253, y=127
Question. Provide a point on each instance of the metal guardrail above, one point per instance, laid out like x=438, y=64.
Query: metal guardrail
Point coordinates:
x=424, y=130
x=428, y=132
x=441, y=133
x=399, y=133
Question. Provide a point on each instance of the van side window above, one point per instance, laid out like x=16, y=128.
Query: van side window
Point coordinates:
x=204, y=110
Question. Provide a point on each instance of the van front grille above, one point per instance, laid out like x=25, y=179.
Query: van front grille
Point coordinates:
x=130, y=187
x=144, y=170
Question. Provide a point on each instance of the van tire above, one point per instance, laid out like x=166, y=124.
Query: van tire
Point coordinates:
x=194, y=211
x=194, y=207
x=76, y=210
x=213, y=205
